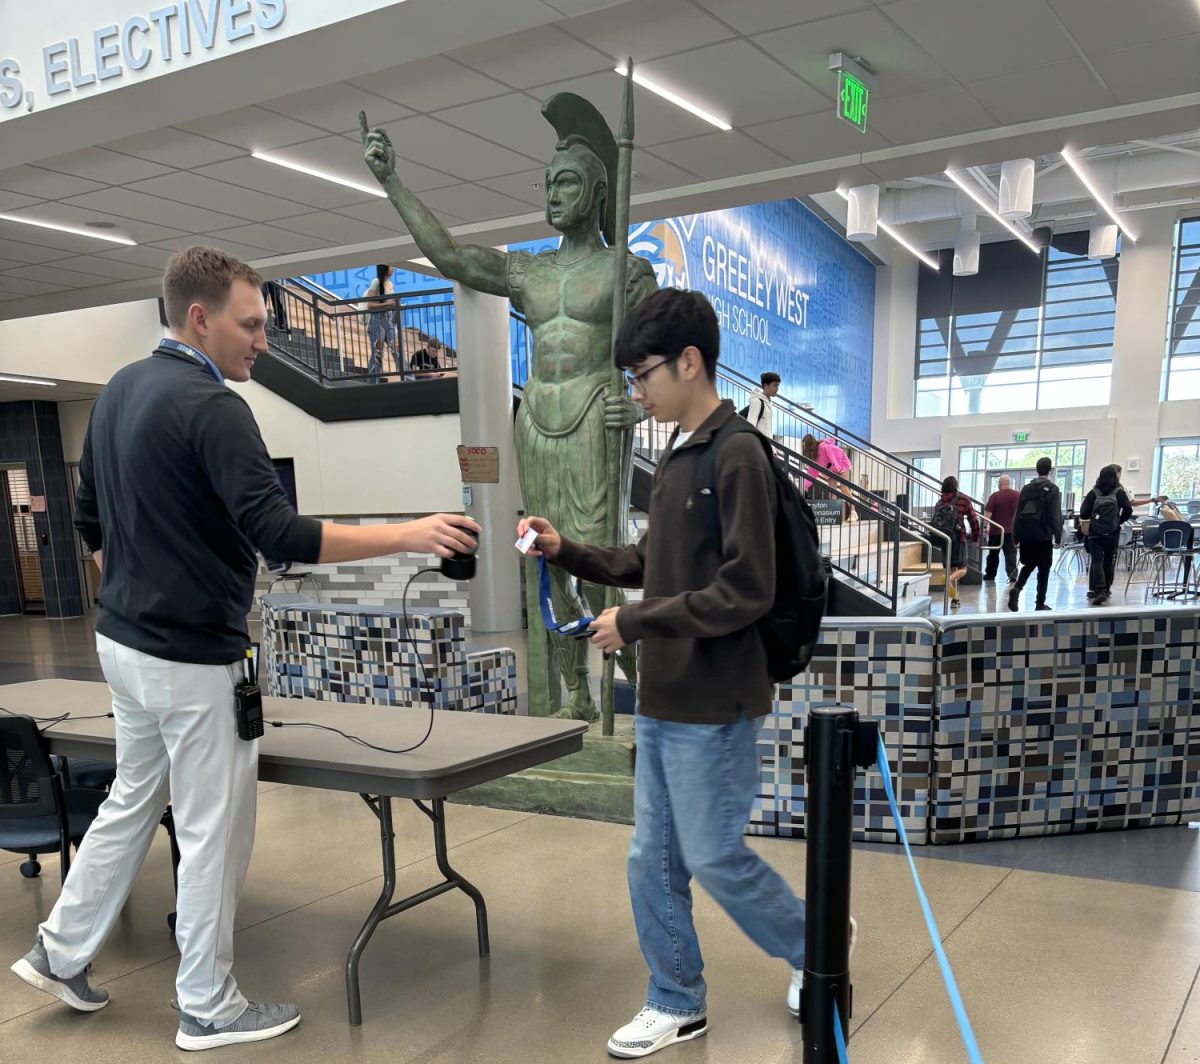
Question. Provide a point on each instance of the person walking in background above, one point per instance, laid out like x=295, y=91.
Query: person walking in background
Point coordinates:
x=1038, y=529
x=761, y=411
x=950, y=516
x=381, y=323
x=1001, y=507
x=273, y=292
x=1104, y=510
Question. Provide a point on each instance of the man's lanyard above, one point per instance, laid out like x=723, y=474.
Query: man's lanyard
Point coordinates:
x=577, y=629
x=179, y=347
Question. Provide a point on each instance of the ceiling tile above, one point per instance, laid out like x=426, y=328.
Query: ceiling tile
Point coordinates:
x=652, y=174
x=734, y=81
x=245, y=252
x=655, y=120
x=60, y=276
x=292, y=186
x=720, y=154
x=72, y=214
x=112, y=269
x=253, y=128
x=48, y=238
x=143, y=255
x=382, y=214
x=647, y=31
x=15, y=248
x=900, y=65
x=757, y=16
x=268, y=237
x=175, y=147
x=927, y=115
x=1062, y=89
x=200, y=191
x=426, y=140
x=473, y=203
x=45, y=184
x=528, y=187
x=1153, y=70
x=811, y=138
x=107, y=167
x=181, y=216
x=430, y=83
x=975, y=39
x=335, y=107
x=333, y=228
x=533, y=57
x=9, y=264
x=1106, y=25
x=12, y=200
x=515, y=117
x=20, y=286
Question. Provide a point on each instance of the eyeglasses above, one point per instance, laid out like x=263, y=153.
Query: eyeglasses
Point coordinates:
x=634, y=380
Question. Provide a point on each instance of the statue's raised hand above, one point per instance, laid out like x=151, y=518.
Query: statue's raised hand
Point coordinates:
x=378, y=152
x=621, y=412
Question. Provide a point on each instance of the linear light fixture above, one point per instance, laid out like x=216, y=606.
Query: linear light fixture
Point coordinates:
x=678, y=101
x=931, y=263
x=20, y=218
x=28, y=380
x=1086, y=181
x=300, y=168
x=993, y=212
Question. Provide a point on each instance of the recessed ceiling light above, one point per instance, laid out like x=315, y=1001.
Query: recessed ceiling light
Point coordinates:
x=22, y=220
x=300, y=168
x=678, y=101
x=993, y=212
x=29, y=380
x=931, y=263
x=100, y=225
x=1086, y=181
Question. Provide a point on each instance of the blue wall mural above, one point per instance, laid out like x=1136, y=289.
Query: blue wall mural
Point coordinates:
x=792, y=296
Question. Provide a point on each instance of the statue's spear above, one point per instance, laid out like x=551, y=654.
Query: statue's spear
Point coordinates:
x=619, y=468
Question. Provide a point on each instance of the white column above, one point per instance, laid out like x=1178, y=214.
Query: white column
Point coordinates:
x=485, y=416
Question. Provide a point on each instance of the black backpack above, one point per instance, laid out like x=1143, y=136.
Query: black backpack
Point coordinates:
x=1031, y=523
x=791, y=628
x=946, y=518
x=744, y=411
x=1106, y=516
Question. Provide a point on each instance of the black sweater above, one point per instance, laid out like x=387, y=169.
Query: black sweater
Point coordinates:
x=177, y=488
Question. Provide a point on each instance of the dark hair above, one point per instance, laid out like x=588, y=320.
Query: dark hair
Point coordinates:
x=201, y=275
x=381, y=272
x=770, y=378
x=666, y=322
x=1107, y=481
x=1044, y=465
x=949, y=484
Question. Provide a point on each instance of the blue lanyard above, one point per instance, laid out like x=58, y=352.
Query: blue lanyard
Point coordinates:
x=577, y=629
x=179, y=347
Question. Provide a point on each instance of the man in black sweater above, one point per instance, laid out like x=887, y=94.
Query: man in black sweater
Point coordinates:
x=1037, y=529
x=176, y=493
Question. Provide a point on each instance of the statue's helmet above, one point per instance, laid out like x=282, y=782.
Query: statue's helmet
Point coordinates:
x=587, y=147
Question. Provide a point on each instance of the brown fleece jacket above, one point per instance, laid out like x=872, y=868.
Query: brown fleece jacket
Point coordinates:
x=702, y=661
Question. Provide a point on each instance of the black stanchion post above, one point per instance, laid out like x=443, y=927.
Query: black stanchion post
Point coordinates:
x=835, y=743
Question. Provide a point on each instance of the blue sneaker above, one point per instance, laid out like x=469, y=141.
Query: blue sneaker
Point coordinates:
x=34, y=969
x=256, y=1024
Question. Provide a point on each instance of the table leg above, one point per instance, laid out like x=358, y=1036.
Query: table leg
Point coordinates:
x=383, y=810
x=471, y=891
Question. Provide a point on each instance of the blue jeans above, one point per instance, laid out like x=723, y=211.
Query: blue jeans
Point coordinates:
x=694, y=786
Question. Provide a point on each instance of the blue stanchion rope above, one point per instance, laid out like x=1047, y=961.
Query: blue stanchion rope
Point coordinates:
x=838, y=1038
x=956, y=1002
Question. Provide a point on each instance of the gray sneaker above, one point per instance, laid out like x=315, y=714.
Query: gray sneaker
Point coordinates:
x=256, y=1024
x=34, y=969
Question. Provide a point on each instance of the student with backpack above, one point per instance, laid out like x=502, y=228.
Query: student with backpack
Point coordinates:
x=1104, y=510
x=760, y=411
x=734, y=590
x=952, y=509
x=1037, y=529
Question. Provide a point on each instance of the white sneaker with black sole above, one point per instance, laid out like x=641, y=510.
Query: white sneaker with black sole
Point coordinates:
x=797, y=983
x=651, y=1030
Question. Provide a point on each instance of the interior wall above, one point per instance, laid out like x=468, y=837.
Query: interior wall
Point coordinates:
x=1127, y=430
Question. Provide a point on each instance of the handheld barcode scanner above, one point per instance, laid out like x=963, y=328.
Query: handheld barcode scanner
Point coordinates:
x=248, y=701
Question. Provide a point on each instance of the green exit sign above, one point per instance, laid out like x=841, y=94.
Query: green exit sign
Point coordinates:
x=852, y=99
x=1020, y=437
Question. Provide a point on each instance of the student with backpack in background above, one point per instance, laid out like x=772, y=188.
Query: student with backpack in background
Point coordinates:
x=1104, y=510
x=734, y=590
x=760, y=411
x=1038, y=529
x=949, y=514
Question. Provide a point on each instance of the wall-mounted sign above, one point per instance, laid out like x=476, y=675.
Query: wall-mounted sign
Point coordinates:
x=479, y=465
x=37, y=504
x=827, y=511
x=169, y=34
x=1021, y=437
x=853, y=96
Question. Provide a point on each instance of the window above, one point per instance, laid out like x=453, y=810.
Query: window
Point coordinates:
x=1001, y=343
x=1177, y=470
x=928, y=462
x=1182, y=363
x=981, y=467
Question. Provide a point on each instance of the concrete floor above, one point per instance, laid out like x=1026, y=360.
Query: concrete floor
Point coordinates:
x=1083, y=950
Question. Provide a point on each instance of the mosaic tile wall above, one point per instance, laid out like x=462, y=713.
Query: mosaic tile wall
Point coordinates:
x=886, y=671
x=1083, y=722
x=362, y=655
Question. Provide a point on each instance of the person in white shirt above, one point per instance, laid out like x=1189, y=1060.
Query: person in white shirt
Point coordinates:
x=760, y=411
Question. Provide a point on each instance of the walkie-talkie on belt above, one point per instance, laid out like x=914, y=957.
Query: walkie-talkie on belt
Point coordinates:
x=248, y=701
